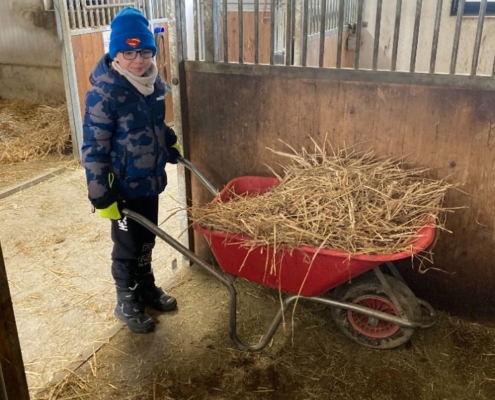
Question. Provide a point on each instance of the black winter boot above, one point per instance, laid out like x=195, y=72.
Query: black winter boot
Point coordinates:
x=131, y=312
x=153, y=296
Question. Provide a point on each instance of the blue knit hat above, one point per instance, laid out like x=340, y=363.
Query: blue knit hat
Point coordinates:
x=130, y=32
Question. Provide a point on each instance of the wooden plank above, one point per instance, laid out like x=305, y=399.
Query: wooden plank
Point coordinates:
x=31, y=182
x=169, y=105
x=248, y=40
x=80, y=73
x=97, y=45
x=330, y=56
x=11, y=363
x=233, y=36
x=88, y=58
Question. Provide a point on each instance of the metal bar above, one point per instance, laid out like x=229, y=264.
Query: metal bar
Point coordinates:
x=201, y=30
x=97, y=12
x=304, y=48
x=479, y=32
x=329, y=18
x=256, y=31
x=241, y=31
x=296, y=29
x=71, y=14
x=395, y=46
x=112, y=10
x=323, y=14
x=196, y=30
x=310, y=19
x=332, y=11
x=336, y=14
x=358, y=33
x=337, y=75
x=417, y=23
x=341, y=33
x=109, y=12
x=176, y=13
x=209, y=31
x=225, y=31
x=288, y=33
x=217, y=34
x=81, y=22
x=493, y=69
x=378, y=21
x=191, y=167
x=272, y=32
x=436, y=34
x=69, y=74
x=86, y=7
x=217, y=30
x=89, y=11
x=457, y=36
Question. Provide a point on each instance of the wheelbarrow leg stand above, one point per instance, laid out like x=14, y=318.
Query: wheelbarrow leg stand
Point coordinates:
x=271, y=329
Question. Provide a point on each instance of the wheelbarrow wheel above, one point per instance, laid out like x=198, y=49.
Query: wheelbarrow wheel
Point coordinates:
x=367, y=291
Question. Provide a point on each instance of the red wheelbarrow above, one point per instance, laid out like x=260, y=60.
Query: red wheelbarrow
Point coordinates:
x=371, y=306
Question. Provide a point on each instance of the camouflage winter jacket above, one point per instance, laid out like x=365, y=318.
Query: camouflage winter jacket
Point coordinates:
x=125, y=134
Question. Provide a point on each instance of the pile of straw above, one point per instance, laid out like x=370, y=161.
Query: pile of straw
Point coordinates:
x=32, y=131
x=346, y=201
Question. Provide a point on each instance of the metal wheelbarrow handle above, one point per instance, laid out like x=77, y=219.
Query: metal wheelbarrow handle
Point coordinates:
x=191, y=167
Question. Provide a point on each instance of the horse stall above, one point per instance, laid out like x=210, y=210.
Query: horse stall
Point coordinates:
x=410, y=80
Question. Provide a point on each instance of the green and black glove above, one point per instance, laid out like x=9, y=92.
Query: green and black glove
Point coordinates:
x=174, y=153
x=112, y=211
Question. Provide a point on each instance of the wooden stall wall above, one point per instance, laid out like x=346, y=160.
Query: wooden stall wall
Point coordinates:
x=88, y=49
x=446, y=129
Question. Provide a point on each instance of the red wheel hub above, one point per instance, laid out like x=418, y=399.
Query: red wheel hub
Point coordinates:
x=371, y=326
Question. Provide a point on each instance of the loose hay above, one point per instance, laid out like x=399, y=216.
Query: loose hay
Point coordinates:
x=348, y=201
x=32, y=131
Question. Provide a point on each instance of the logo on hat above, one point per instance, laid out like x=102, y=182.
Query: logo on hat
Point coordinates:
x=133, y=42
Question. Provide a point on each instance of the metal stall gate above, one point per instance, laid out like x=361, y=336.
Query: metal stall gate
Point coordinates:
x=84, y=28
x=407, y=79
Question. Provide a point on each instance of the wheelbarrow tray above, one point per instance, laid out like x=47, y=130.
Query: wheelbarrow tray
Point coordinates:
x=306, y=270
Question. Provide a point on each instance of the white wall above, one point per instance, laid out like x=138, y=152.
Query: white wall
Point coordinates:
x=30, y=64
x=447, y=29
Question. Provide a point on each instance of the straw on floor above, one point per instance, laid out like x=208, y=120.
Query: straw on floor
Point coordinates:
x=31, y=131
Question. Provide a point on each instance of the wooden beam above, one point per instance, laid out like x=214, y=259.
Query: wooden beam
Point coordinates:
x=12, y=366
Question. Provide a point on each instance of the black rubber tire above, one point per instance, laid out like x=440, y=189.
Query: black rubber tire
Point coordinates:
x=368, y=288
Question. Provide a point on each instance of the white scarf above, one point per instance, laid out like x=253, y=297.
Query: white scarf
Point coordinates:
x=142, y=83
